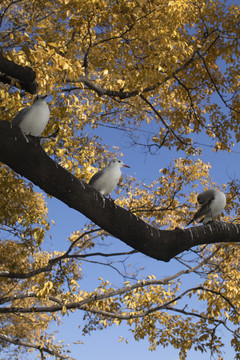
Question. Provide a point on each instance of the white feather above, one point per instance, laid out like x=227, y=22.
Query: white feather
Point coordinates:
x=106, y=180
x=33, y=119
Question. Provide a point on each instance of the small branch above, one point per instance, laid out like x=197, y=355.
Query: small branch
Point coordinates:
x=162, y=120
x=191, y=100
x=90, y=84
x=49, y=266
x=52, y=262
x=39, y=347
x=124, y=276
x=166, y=305
x=7, y=8
x=152, y=145
x=83, y=256
x=65, y=255
x=215, y=85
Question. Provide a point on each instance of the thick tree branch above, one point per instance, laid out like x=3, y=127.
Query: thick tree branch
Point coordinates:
x=31, y=161
x=11, y=73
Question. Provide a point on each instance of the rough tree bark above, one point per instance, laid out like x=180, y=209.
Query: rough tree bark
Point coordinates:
x=11, y=73
x=30, y=160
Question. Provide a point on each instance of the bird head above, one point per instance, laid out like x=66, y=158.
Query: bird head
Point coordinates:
x=206, y=195
x=118, y=163
x=40, y=97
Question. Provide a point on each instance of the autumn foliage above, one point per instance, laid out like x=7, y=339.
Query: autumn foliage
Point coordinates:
x=121, y=64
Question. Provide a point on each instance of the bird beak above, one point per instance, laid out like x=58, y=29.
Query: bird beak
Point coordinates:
x=44, y=96
x=126, y=166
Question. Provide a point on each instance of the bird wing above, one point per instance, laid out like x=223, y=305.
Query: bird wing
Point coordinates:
x=204, y=209
x=18, y=118
x=95, y=177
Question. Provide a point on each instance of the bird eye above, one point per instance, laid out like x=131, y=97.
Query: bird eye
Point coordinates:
x=119, y=161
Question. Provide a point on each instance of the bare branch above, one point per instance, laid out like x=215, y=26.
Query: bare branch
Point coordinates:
x=106, y=255
x=124, y=276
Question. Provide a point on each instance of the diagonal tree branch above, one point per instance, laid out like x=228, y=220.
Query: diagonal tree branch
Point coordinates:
x=215, y=85
x=10, y=73
x=39, y=347
x=157, y=113
x=31, y=161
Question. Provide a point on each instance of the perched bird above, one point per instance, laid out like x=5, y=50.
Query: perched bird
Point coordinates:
x=107, y=179
x=33, y=119
x=212, y=204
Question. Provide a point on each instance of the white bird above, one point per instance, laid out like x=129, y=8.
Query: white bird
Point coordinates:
x=212, y=204
x=107, y=179
x=33, y=119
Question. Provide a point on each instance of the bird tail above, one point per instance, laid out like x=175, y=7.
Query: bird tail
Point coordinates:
x=199, y=222
x=191, y=221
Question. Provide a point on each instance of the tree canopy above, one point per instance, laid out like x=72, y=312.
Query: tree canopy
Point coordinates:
x=120, y=64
